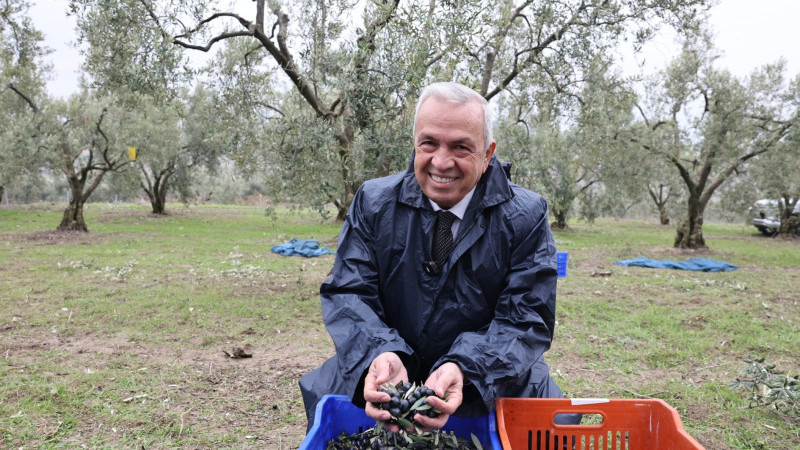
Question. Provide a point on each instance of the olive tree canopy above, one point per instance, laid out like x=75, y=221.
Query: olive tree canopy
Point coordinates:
x=345, y=72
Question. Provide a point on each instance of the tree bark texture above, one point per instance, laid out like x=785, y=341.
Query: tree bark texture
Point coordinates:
x=690, y=231
x=72, y=219
x=790, y=224
x=158, y=198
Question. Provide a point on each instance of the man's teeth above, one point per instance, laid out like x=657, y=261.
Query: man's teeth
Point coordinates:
x=441, y=179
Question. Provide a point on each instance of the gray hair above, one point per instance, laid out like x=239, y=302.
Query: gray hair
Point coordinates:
x=460, y=94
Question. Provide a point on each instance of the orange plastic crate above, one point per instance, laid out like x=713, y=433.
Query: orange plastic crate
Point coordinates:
x=626, y=424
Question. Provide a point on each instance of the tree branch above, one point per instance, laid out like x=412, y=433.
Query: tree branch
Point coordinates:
x=536, y=51
x=24, y=97
x=212, y=41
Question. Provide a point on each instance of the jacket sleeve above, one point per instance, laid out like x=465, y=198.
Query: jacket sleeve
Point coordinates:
x=507, y=349
x=351, y=308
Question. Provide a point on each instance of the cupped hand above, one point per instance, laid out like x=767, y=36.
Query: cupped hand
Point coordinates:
x=385, y=368
x=446, y=379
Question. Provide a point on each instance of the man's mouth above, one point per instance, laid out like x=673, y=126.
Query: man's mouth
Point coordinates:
x=439, y=179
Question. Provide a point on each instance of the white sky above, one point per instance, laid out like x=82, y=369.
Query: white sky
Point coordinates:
x=749, y=35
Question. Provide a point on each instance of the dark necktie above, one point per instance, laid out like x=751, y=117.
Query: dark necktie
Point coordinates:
x=443, y=236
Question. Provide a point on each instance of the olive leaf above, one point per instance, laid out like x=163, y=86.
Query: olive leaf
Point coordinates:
x=405, y=423
x=418, y=405
x=476, y=442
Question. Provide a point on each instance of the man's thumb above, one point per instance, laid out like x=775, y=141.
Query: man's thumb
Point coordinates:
x=384, y=372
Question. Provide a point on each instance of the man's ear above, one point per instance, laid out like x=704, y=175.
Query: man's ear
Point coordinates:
x=489, y=153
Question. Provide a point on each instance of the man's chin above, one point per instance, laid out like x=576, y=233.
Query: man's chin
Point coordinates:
x=444, y=203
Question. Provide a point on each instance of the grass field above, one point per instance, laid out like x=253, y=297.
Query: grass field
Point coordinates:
x=121, y=337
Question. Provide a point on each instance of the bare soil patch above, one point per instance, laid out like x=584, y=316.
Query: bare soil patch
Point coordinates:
x=56, y=237
x=199, y=387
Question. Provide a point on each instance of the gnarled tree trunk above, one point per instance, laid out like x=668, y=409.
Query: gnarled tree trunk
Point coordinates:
x=73, y=217
x=157, y=191
x=690, y=231
x=72, y=220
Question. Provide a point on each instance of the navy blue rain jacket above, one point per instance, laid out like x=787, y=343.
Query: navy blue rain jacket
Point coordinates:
x=491, y=310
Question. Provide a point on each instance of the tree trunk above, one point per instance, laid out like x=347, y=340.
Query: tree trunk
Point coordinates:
x=690, y=232
x=345, y=141
x=158, y=199
x=156, y=189
x=159, y=203
x=2, y=192
x=662, y=215
x=73, y=214
x=790, y=224
x=660, y=198
x=561, y=219
x=342, y=207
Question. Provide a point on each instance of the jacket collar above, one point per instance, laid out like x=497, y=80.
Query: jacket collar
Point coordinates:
x=493, y=188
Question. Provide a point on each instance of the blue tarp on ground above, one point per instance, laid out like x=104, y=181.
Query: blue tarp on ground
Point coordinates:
x=302, y=247
x=697, y=264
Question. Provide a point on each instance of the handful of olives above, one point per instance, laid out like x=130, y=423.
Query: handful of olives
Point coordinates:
x=407, y=399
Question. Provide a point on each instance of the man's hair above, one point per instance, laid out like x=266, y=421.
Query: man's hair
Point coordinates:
x=457, y=93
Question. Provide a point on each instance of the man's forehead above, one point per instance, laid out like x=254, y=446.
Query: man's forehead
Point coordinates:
x=459, y=138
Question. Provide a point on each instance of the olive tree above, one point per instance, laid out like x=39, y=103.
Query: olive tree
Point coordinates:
x=708, y=124
x=775, y=174
x=154, y=131
x=128, y=64
x=569, y=147
x=22, y=74
x=73, y=135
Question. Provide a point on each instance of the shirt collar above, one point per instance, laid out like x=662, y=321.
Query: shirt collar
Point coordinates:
x=460, y=208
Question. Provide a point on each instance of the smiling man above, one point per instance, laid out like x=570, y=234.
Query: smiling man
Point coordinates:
x=471, y=317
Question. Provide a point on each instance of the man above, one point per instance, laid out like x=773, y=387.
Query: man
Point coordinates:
x=472, y=323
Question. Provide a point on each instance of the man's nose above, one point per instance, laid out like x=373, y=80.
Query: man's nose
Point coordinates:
x=442, y=158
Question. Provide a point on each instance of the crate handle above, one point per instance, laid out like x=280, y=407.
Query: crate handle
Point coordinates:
x=601, y=417
x=588, y=401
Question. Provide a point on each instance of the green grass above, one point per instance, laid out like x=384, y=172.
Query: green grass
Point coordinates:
x=676, y=335
x=116, y=338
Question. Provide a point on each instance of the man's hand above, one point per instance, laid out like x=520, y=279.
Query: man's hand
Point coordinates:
x=446, y=379
x=385, y=368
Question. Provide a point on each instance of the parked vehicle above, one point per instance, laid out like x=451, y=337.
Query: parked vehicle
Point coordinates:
x=765, y=216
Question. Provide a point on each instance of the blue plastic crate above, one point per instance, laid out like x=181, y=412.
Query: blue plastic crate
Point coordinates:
x=561, y=261
x=335, y=413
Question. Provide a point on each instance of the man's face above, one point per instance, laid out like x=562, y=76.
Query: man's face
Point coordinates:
x=450, y=155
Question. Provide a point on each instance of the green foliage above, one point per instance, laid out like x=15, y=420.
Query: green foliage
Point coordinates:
x=573, y=148
x=22, y=79
x=353, y=71
x=124, y=57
